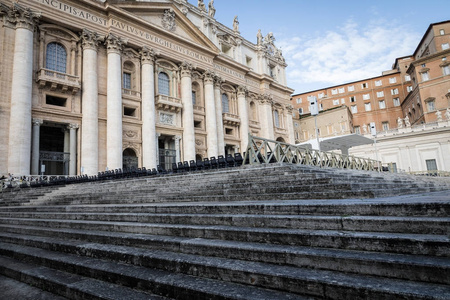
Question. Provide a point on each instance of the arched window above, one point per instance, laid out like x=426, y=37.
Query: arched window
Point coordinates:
x=163, y=84
x=225, y=103
x=56, y=57
x=277, y=118
x=253, y=111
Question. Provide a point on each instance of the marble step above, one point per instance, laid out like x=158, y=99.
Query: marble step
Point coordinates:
x=418, y=225
x=409, y=267
x=418, y=244
x=98, y=273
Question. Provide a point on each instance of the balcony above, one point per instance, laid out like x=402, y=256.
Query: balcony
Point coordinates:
x=254, y=124
x=168, y=103
x=231, y=119
x=131, y=93
x=58, y=81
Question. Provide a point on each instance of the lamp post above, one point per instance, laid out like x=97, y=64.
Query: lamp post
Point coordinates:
x=314, y=109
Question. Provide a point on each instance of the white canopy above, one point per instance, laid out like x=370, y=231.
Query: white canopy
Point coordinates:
x=341, y=142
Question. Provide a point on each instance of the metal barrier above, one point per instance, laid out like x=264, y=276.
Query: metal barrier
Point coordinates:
x=261, y=150
x=21, y=181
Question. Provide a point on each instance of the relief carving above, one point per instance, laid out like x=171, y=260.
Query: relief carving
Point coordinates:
x=168, y=20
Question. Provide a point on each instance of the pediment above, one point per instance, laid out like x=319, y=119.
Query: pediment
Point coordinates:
x=169, y=19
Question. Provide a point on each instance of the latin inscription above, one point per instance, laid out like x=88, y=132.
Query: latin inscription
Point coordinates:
x=229, y=71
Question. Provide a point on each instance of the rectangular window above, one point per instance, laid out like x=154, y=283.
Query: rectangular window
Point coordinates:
x=382, y=104
x=229, y=131
x=341, y=90
x=367, y=106
x=407, y=77
x=396, y=101
x=385, y=126
x=445, y=46
x=431, y=165
x=321, y=95
x=351, y=88
x=366, y=96
x=321, y=106
x=378, y=83
x=352, y=99
x=129, y=111
x=441, y=31
x=394, y=91
x=364, y=85
x=334, y=91
x=380, y=94
x=336, y=102
x=446, y=70
x=431, y=106
x=409, y=88
x=342, y=101
x=425, y=76
x=299, y=100
x=57, y=101
x=354, y=109
x=392, y=80
x=127, y=81
x=194, y=97
x=357, y=130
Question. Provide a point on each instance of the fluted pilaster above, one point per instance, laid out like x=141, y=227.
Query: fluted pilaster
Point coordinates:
x=210, y=114
x=188, y=112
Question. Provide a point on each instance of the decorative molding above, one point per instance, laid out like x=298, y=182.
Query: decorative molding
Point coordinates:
x=186, y=69
x=72, y=126
x=148, y=55
x=90, y=39
x=21, y=16
x=130, y=133
x=208, y=77
x=114, y=44
x=242, y=91
x=37, y=122
x=167, y=119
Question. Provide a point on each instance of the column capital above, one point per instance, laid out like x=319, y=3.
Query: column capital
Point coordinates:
x=37, y=122
x=208, y=77
x=89, y=39
x=289, y=108
x=72, y=126
x=177, y=138
x=217, y=81
x=114, y=44
x=148, y=55
x=265, y=99
x=242, y=91
x=21, y=16
x=186, y=69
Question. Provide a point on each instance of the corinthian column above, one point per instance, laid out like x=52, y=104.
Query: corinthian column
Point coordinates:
x=22, y=73
x=290, y=124
x=210, y=114
x=149, y=148
x=219, y=120
x=114, y=100
x=243, y=114
x=188, y=112
x=35, y=150
x=266, y=115
x=73, y=149
x=89, y=95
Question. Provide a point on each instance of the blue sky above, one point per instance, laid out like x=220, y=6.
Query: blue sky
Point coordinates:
x=330, y=42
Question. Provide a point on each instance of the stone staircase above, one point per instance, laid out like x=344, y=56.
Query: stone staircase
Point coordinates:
x=256, y=232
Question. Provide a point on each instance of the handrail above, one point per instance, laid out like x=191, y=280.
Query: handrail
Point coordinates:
x=260, y=150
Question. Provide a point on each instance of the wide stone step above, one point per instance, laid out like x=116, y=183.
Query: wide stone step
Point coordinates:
x=419, y=225
x=418, y=268
x=14, y=289
x=161, y=282
x=419, y=244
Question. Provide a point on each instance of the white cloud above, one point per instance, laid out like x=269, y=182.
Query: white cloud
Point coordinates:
x=348, y=53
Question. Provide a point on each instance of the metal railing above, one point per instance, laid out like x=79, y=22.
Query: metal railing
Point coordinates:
x=25, y=181
x=261, y=150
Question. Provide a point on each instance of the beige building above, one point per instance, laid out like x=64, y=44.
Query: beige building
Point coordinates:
x=92, y=85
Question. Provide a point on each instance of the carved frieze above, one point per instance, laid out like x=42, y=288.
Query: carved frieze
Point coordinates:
x=167, y=119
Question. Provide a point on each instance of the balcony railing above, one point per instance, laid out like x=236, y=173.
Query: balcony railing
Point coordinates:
x=168, y=103
x=58, y=81
x=231, y=119
x=131, y=93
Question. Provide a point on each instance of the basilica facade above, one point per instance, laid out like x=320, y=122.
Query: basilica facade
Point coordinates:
x=91, y=85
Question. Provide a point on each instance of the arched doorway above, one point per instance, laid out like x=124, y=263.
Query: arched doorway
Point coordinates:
x=129, y=159
x=280, y=139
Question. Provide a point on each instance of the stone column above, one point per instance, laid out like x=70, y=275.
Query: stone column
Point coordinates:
x=219, y=120
x=188, y=112
x=21, y=89
x=290, y=124
x=89, y=95
x=243, y=114
x=267, y=131
x=210, y=114
x=177, y=148
x=73, y=149
x=66, y=148
x=35, y=148
x=149, y=148
x=114, y=103
x=157, y=135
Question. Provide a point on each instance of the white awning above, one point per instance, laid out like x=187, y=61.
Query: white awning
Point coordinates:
x=341, y=142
